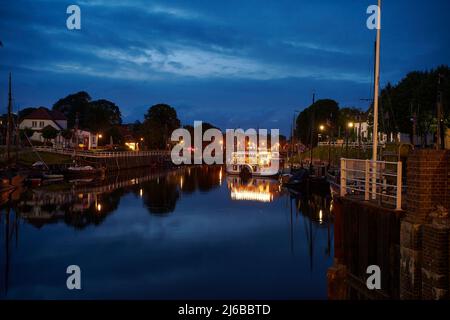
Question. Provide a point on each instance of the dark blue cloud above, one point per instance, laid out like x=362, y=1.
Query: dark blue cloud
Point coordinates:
x=232, y=63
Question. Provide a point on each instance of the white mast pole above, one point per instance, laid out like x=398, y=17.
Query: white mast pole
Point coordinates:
x=375, y=102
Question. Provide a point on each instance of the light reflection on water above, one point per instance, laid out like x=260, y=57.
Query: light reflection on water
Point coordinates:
x=190, y=233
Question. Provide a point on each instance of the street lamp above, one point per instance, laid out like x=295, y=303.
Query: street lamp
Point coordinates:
x=350, y=126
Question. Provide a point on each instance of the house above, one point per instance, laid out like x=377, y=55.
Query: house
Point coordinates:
x=86, y=140
x=41, y=118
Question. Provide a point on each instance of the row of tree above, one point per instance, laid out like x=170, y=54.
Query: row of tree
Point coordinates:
x=411, y=105
x=103, y=116
x=326, y=114
x=407, y=107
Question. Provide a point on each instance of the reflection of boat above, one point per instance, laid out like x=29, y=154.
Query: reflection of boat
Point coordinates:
x=252, y=163
x=53, y=177
x=254, y=189
x=77, y=181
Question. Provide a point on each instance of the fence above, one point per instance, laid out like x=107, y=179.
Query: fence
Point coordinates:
x=102, y=154
x=350, y=144
x=376, y=180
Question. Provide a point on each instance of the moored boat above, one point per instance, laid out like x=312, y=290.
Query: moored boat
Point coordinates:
x=82, y=171
x=252, y=163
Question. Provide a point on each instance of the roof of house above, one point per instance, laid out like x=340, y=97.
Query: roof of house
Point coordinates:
x=42, y=113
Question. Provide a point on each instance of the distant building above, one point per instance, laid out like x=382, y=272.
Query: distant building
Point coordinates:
x=85, y=139
x=41, y=118
x=362, y=130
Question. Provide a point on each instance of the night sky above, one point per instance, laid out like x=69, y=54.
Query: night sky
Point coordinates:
x=232, y=63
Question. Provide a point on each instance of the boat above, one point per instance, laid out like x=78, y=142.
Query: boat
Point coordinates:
x=254, y=163
x=82, y=171
x=302, y=181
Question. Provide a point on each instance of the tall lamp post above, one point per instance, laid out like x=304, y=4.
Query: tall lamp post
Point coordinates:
x=375, y=103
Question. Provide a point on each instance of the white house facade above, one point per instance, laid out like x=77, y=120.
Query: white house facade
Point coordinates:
x=41, y=118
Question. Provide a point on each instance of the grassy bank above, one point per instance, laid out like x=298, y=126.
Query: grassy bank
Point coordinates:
x=29, y=158
x=336, y=153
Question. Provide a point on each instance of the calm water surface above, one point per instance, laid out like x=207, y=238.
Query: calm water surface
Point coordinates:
x=192, y=233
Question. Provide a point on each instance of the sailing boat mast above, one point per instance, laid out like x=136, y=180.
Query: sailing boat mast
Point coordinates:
x=9, y=123
x=375, y=102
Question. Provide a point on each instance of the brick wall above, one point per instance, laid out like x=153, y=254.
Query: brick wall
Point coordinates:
x=424, y=244
x=435, y=266
x=428, y=181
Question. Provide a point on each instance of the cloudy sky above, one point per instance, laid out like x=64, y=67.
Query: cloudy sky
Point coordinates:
x=235, y=63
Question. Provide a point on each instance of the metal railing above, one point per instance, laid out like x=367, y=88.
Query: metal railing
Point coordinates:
x=350, y=144
x=376, y=180
x=102, y=154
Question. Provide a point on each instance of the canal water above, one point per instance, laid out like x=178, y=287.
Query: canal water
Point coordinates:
x=190, y=233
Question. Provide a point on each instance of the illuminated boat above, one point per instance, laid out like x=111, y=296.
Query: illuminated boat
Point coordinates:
x=252, y=163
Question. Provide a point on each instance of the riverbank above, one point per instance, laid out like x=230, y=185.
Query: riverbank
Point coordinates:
x=324, y=154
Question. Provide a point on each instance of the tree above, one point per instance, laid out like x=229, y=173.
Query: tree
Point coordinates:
x=160, y=121
x=74, y=105
x=321, y=112
x=26, y=134
x=25, y=112
x=414, y=97
x=115, y=134
x=95, y=116
x=49, y=133
x=103, y=114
